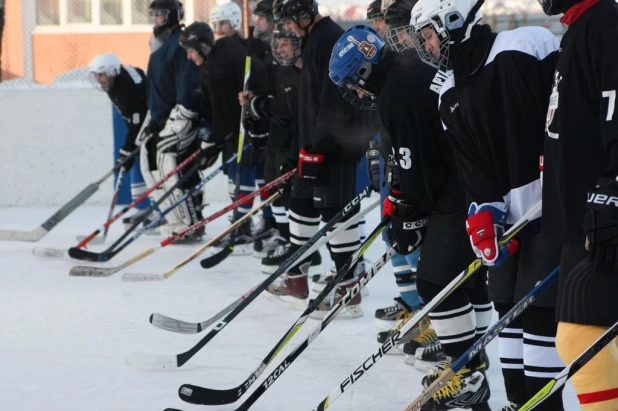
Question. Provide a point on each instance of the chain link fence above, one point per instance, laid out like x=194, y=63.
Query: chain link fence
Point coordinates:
x=51, y=42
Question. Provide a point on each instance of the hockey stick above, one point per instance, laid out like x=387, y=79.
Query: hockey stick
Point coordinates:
x=116, y=247
x=101, y=240
x=84, y=271
x=482, y=342
x=63, y=212
x=137, y=277
x=560, y=380
x=298, y=350
x=223, y=254
x=154, y=361
x=446, y=291
x=58, y=253
x=171, y=324
x=207, y=396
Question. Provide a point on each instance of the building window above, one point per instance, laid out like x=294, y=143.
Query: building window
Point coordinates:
x=47, y=12
x=111, y=11
x=79, y=11
x=139, y=11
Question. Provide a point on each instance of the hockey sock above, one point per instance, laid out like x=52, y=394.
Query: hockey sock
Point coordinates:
x=483, y=308
x=511, y=348
x=304, y=223
x=138, y=185
x=247, y=186
x=345, y=244
x=596, y=383
x=453, y=320
x=541, y=360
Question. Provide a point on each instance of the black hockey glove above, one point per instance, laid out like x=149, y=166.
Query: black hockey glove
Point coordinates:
x=407, y=229
x=125, y=157
x=312, y=167
x=601, y=226
x=373, y=165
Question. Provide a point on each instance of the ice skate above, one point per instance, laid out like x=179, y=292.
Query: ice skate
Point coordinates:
x=428, y=357
x=409, y=346
x=290, y=290
x=276, y=258
x=351, y=310
x=468, y=389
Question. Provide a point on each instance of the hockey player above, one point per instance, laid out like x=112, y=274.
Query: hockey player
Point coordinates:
x=579, y=190
x=281, y=108
x=126, y=89
x=427, y=205
x=327, y=170
x=375, y=17
x=170, y=135
x=493, y=109
x=222, y=66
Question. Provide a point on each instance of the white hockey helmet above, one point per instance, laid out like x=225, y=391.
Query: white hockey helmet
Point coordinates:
x=105, y=63
x=451, y=20
x=227, y=12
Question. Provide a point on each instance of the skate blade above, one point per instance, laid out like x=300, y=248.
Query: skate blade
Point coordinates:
x=348, y=313
x=292, y=302
x=44, y=252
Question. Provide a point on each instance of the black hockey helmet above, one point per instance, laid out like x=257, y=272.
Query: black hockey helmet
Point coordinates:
x=295, y=10
x=264, y=8
x=374, y=11
x=198, y=36
x=173, y=11
x=397, y=13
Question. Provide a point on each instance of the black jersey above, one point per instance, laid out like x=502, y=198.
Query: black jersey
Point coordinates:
x=222, y=78
x=582, y=126
x=326, y=120
x=408, y=106
x=128, y=95
x=495, y=116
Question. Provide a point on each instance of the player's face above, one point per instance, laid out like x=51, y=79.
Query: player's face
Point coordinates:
x=223, y=29
x=379, y=25
x=260, y=23
x=285, y=49
x=195, y=57
x=102, y=79
x=432, y=41
x=290, y=25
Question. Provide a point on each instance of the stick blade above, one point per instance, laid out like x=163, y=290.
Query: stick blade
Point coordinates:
x=85, y=271
x=166, y=323
x=141, y=277
x=45, y=252
x=29, y=236
x=145, y=361
x=217, y=258
x=84, y=255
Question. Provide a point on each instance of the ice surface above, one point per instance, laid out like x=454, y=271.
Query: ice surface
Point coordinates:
x=63, y=340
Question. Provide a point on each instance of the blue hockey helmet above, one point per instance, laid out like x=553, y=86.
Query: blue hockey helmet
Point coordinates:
x=351, y=65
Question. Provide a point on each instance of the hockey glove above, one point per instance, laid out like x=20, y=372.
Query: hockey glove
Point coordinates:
x=373, y=165
x=391, y=201
x=312, y=167
x=407, y=229
x=485, y=226
x=125, y=156
x=601, y=226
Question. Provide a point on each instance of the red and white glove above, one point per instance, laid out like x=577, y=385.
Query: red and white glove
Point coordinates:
x=485, y=225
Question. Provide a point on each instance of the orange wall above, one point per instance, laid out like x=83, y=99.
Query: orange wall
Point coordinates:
x=12, y=41
x=57, y=53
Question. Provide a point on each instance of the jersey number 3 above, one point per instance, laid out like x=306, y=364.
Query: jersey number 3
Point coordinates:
x=405, y=158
